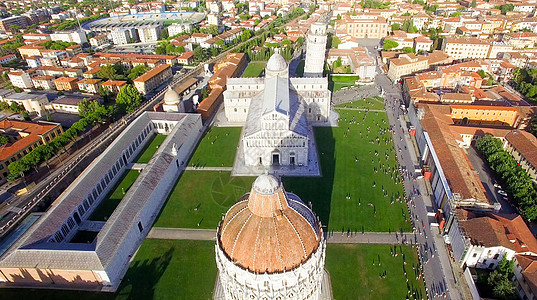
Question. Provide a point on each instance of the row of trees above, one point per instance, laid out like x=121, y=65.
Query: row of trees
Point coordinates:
x=526, y=82
x=91, y=113
x=513, y=177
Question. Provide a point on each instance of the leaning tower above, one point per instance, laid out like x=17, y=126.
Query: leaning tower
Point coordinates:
x=315, y=50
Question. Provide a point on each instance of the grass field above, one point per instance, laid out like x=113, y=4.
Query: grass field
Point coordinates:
x=348, y=164
x=112, y=200
x=370, y=103
x=150, y=148
x=357, y=272
x=217, y=148
x=336, y=82
x=161, y=269
x=254, y=69
x=201, y=198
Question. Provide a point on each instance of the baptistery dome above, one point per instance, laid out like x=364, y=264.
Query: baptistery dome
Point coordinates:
x=171, y=97
x=276, y=62
x=270, y=245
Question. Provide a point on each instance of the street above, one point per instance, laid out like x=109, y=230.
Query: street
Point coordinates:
x=441, y=282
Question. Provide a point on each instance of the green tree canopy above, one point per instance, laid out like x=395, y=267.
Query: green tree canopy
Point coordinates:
x=128, y=99
x=389, y=44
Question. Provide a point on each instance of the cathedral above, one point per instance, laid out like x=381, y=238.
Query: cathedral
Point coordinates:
x=270, y=245
x=276, y=111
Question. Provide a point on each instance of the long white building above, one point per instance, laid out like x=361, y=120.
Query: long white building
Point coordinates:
x=67, y=248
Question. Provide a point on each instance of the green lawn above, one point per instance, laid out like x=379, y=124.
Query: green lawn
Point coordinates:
x=357, y=273
x=217, y=148
x=369, y=208
x=200, y=198
x=161, y=269
x=341, y=78
x=337, y=82
x=254, y=69
x=112, y=200
x=343, y=175
x=150, y=148
x=370, y=103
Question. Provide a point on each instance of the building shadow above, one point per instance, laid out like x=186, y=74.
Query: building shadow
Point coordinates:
x=318, y=190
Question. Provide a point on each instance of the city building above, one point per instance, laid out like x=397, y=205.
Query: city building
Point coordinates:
x=178, y=28
x=409, y=63
x=149, y=33
x=315, y=50
x=20, y=79
x=77, y=36
x=23, y=138
x=172, y=101
x=113, y=86
x=460, y=48
x=69, y=103
x=32, y=102
x=66, y=248
x=30, y=50
x=7, y=23
x=362, y=26
x=98, y=40
x=43, y=82
x=522, y=145
x=525, y=270
x=7, y=58
x=90, y=85
x=270, y=245
x=153, y=78
x=484, y=115
x=66, y=83
x=124, y=36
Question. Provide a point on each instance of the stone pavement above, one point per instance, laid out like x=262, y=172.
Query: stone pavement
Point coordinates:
x=182, y=234
x=223, y=169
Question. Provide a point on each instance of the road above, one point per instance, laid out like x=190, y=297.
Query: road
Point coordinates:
x=441, y=282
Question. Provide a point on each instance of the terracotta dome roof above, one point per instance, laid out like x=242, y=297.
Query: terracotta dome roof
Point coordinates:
x=269, y=230
x=171, y=97
x=276, y=63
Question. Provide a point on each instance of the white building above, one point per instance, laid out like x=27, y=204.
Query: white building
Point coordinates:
x=33, y=103
x=20, y=79
x=315, y=50
x=149, y=33
x=123, y=36
x=77, y=36
x=49, y=254
x=276, y=111
x=177, y=28
x=270, y=245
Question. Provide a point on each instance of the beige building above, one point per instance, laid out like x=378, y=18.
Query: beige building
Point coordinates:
x=460, y=48
x=406, y=64
x=90, y=85
x=522, y=146
x=152, y=79
x=66, y=84
x=30, y=50
x=20, y=79
x=32, y=102
x=362, y=26
x=44, y=82
x=23, y=138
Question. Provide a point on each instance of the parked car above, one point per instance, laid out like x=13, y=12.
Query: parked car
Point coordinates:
x=496, y=185
x=502, y=192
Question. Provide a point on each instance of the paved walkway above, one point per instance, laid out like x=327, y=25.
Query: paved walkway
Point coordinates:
x=225, y=169
x=334, y=238
x=182, y=234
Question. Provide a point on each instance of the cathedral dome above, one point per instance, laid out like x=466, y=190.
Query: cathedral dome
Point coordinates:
x=171, y=97
x=276, y=63
x=269, y=230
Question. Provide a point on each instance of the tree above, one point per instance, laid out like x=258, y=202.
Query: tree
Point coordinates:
x=4, y=140
x=108, y=72
x=164, y=34
x=456, y=14
x=335, y=41
x=474, y=3
x=396, y=26
x=137, y=71
x=389, y=44
x=128, y=99
x=408, y=50
x=408, y=26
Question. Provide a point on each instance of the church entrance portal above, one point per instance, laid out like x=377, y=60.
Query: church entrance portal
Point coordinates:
x=292, y=159
x=275, y=159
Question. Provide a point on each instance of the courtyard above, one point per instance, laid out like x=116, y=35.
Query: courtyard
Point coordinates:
x=150, y=148
x=217, y=148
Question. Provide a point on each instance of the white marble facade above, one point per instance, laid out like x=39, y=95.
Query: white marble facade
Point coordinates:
x=315, y=50
x=276, y=111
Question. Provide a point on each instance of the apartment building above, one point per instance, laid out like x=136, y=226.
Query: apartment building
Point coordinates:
x=24, y=137
x=43, y=82
x=362, y=26
x=150, y=33
x=124, y=36
x=99, y=40
x=113, y=86
x=7, y=23
x=461, y=48
x=66, y=83
x=522, y=145
x=484, y=115
x=32, y=102
x=77, y=36
x=90, y=85
x=20, y=79
x=30, y=50
x=406, y=64
x=152, y=79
